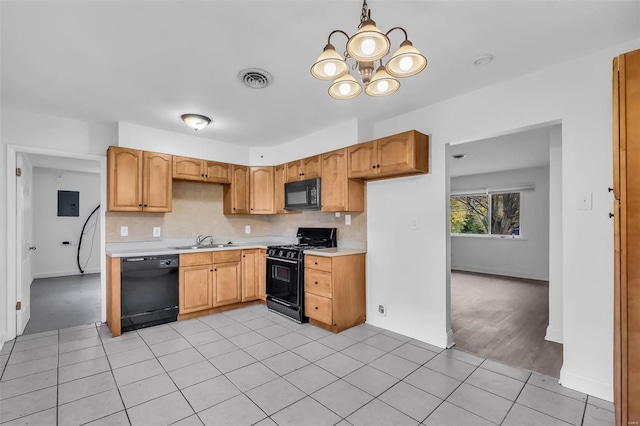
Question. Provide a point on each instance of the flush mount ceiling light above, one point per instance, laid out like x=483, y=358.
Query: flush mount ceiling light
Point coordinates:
x=365, y=47
x=483, y=59
x=195, y=121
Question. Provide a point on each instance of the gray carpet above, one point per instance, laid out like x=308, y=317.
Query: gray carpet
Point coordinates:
x=64, y=302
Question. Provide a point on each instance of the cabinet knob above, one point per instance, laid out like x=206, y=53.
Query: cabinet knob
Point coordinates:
x=139, y=205
x=216, y=269
x=316, y=308
x=234, y=208
x=210, y=270
x=315, y=263
x=145, y=205
x=378, y=166
x=610, y=189
x=202, y=174
x=373, y=167
x=316, y=282
x=611, y=215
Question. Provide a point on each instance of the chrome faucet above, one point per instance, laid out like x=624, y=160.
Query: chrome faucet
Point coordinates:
x=204, y=240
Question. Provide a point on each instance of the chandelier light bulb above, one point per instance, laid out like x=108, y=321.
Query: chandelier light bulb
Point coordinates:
x=405, y=63
x=383, y=86
x=344, y=89
x=368, y=46
x=330, y=68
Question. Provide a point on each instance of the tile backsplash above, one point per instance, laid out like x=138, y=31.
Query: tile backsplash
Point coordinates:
x=197, y=209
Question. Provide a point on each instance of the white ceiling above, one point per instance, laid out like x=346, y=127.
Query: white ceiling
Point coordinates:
x=509, y=152
x=148, y=62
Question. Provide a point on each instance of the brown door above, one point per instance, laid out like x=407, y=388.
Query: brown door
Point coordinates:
x=334, y=181
x=240, y=187
x=217, y=172
x=311, y=167
x=294, y=171
x=395, y=154
x=186, y=168
x=226, y=284
x=195, y=288
x=249, y=275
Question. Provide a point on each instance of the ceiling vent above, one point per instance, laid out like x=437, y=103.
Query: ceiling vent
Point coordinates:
x=255, y=78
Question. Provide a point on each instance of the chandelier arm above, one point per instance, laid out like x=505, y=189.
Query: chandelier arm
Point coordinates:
x=406, y=36
x=336, y=31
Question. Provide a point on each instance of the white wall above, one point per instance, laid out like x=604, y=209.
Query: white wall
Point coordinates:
x=32, y=132
x=335, y=137
x=525, y=257
x=52, y=258
x=156, y=140
x=555, y=327
x=578, y=93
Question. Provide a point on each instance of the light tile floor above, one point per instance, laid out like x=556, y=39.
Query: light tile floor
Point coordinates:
x=250, y=366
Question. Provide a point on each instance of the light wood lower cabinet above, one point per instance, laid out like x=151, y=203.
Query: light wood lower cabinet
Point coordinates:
x=209, y=280
x=335, y=291
x=250, y=270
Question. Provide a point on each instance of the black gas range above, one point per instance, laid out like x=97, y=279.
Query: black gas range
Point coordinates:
x=285, y=271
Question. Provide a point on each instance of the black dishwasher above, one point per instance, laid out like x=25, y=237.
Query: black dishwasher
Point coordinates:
x=148, y=291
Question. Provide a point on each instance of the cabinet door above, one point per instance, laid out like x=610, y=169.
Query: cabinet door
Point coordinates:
x=294, y=171
x=249, y=275
x=195, y=288
x=335, y=185
x=226, y=284
x=403, y=153
x=186, y=168
x=261, y=190
x=157, y=183
x=124, y=177
x=262, y=275
x=362, y=160
x=236, y=195
x=311, y=167
x=217, y=172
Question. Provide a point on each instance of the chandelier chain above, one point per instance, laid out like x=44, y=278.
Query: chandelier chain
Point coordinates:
x=366, y=13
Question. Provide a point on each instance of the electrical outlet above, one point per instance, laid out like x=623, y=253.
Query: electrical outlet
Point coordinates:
x=413, y=224
x=347, y=219
x=382, y=310
x=156, y=231
x=337, y=214
x=124, y=231
x=247, y=229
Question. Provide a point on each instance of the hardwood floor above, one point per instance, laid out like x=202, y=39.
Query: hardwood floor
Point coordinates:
x=504, y=319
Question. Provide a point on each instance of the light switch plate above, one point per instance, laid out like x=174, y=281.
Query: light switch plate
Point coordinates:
x=337, y=214
x=124, y=231
x=156, y=231
x=347, y=219
x=247, y=229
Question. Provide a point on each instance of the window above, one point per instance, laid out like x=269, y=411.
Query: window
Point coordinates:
x=486, y=214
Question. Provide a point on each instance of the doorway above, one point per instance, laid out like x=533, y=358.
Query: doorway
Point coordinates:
x=504, y=196
x=46, y=238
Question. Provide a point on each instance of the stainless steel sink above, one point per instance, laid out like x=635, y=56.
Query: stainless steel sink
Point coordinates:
x=209, y=246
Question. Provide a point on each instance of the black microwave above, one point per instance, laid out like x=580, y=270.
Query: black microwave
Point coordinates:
x=302, y=195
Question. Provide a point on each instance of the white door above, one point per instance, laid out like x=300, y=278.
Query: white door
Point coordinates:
x=25, y=247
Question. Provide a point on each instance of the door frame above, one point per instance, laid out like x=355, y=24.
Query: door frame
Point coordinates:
x=13, y=252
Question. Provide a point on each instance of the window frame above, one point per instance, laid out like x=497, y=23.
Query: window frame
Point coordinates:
x=489, y=193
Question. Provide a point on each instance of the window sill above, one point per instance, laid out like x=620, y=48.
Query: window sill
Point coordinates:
x=491, y=237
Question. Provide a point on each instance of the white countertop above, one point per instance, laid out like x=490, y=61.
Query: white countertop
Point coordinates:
x=144, y=250
x=336, y=251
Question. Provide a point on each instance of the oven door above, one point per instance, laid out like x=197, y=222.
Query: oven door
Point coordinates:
x=283, y=280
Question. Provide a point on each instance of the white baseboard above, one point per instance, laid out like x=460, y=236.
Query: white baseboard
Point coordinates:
x=588, y=385
x=450, y=342
x=55, y=274
x=498, y=271
x=439, y=340
x=554, y=334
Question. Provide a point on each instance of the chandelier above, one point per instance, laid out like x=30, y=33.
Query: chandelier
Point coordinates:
x=365, y=47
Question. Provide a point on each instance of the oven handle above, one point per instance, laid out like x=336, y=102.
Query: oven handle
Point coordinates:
x=281, y=260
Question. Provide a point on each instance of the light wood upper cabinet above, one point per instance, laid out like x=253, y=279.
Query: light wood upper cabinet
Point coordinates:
x=307, y=168
x=138, y=180
x=362, y=160
x=250, y=270
x=280, y=178
x=187, y=168
x=216, y=172
x=262, y=190
x=398, y=155
x=339, y=193
x=236, y=195
x=157, y=185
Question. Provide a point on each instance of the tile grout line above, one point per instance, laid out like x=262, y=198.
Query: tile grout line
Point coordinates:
x=114, y=380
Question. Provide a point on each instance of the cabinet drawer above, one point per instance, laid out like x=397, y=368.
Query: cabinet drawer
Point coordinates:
x=317, y=282
x=191, y=259
x=318, y=308
x=317, y=262
x=226, y=256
